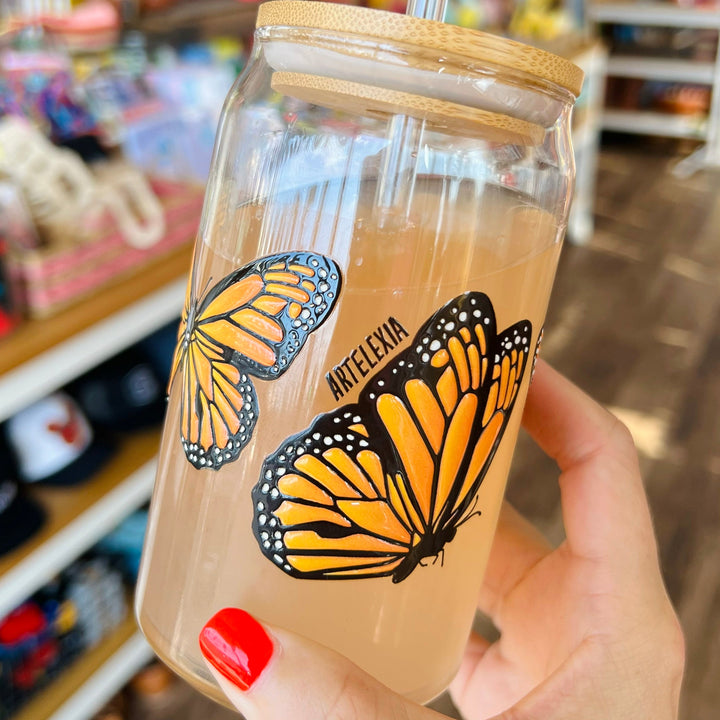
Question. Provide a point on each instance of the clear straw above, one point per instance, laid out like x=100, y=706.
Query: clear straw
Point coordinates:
x=397, y=175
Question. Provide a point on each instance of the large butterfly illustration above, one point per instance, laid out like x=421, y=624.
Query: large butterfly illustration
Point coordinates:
x=253, y=322
x=373, y=488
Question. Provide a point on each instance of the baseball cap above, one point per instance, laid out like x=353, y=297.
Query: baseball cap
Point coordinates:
x=124, y=393
x=53, y=443
x=20, y=516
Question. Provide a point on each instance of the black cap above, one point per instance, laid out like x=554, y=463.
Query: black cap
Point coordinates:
x=124, y=393
x=20, y=516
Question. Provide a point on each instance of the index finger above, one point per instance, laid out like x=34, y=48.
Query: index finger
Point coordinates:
x=604, y=505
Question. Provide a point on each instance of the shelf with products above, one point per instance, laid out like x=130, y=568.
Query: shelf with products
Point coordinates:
x=42, y=355
x=77, y=517
x=682, y=72
x=84, y=687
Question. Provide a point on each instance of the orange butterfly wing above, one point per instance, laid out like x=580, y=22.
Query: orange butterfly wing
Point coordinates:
x=374, y=487
x=254, y=322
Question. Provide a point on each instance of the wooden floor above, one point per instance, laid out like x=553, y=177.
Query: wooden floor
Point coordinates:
x=635, y=321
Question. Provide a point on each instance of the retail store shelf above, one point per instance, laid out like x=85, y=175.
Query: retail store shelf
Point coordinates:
x=86, y=685
x=655, y=123
x=664, y=69
x=42, y=355
x=661, y=14
x=78, y=517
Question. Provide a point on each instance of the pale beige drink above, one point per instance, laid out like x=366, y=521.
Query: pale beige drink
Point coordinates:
x=204, y=556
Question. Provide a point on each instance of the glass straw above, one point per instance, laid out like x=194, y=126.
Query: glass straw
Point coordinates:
x=397, y=175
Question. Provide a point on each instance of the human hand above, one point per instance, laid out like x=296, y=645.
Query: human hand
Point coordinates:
x=587, y=630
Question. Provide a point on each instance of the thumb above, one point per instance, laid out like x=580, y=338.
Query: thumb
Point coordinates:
x=271, y=674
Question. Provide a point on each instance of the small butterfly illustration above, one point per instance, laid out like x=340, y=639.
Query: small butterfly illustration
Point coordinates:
x=254, y=322
x=373, y=488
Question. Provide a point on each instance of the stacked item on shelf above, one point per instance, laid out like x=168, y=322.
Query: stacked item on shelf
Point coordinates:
x=51, y=446
x=63, y=440
x=88, y=112
x=126, y=393
x=45, y=634
x=102, y=157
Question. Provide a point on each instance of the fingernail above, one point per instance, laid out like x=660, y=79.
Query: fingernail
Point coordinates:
x=236, y=645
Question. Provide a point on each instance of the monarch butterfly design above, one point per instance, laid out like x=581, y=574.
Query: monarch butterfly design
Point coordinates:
x=253, y=322
x=372, y=488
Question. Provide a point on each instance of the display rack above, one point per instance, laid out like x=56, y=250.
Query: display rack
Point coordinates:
x=78, y=517
x=39, y=357
x=663, y=14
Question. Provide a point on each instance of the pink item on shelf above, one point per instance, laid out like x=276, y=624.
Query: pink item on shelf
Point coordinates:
x=52, y=278
x=93, y=25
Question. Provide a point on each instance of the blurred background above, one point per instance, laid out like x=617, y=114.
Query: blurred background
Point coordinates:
x=108, y=113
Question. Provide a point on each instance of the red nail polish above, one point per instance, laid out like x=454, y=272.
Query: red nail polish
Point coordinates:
x=236, y=645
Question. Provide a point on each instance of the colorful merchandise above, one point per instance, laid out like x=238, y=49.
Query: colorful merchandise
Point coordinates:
x=39, y=86
x=44, y=635
x=78, y=263
x=54, y=181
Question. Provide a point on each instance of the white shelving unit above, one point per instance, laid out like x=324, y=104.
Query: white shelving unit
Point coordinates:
x=662, y=14
x=67, y=360
x=592, y=58
x=41, y=356
x=49, y=558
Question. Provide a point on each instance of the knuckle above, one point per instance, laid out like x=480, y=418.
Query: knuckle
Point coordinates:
x=676, y=645
x=513, y=714
x=620, y=435
x=341, y=704
x=352, y=700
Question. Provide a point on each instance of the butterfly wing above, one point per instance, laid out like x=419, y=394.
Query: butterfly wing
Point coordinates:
x=370, y=489
x=218, y=406
x=253, y=322
x=323, y=507
x=262, y=314
x=477, y=379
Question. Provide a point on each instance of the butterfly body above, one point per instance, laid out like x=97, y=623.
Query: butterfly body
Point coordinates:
x=375, y=487
x=253, y=323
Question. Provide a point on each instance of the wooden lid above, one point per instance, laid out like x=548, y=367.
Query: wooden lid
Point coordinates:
x=423, y=33
x=371, y=100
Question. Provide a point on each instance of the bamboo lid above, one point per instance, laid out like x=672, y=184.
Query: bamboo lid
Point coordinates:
x=371, y=100
x=423, y=33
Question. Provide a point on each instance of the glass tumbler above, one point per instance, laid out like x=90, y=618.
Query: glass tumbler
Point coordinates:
x=382, y=223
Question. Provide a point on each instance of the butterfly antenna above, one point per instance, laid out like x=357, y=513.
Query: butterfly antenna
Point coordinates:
x=471, y=513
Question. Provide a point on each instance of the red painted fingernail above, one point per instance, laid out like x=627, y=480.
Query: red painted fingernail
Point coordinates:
x=236, y=645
